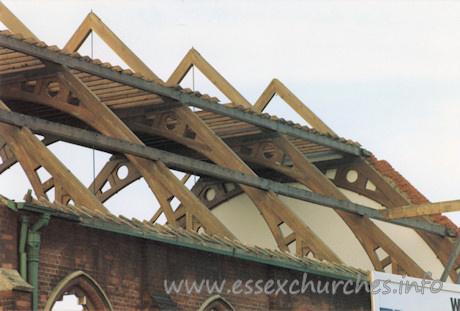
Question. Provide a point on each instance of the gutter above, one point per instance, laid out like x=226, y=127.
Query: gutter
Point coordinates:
x=221, y=249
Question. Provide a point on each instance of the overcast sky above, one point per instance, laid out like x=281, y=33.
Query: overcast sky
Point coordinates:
x=383, y=73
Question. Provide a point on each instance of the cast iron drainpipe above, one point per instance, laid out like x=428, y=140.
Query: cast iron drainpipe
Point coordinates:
x=33, y=248
x=22, y=247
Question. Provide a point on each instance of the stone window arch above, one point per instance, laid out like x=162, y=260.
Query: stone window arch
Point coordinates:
x=85, y=288
x=216, y=303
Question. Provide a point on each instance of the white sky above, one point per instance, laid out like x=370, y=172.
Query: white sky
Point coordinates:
x=383, y=73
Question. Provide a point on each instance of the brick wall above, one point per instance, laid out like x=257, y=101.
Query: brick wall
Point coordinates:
x=132, y=270
x=13, y=300
x=8, y=238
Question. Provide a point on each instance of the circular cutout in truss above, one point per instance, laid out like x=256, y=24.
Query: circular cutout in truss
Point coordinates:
x=122, y=172
x=53, y=88
x=170, y=122
x=352, y=176
x=210, y=194
x=200, y=230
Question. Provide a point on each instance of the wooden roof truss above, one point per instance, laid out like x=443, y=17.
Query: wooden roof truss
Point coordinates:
x=139, y=109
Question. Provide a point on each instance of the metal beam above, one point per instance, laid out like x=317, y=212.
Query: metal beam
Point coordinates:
x=188, y=165
x=190, y=99
x=452, y=259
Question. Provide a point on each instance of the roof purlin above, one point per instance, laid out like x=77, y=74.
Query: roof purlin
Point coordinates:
x=190, y=99
x=84, y=137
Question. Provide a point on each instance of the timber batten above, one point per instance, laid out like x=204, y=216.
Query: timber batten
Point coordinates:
x=149, y=127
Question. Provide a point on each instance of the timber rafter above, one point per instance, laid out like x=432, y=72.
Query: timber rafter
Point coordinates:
x=79, y=92
x=157, y=176
x=185, y=164
x=372, y=184
x=370, y=236
x=157, y=89
x=94, y=23
x=21, y=141
x=276, y=87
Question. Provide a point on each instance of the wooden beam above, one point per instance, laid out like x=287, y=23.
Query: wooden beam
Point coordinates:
x=265, y=97
x=276, y=87
x=13, y=23
x=115, y=145
x=80, y=35
x=365, y=230
x=109, y=175
x=421, y=210
x=28, y=148
x=175, y=94
x=94, y=23
x=271, y=208
x=181, y=70
x=388, y=196
x=160, y=180
x=193, y=58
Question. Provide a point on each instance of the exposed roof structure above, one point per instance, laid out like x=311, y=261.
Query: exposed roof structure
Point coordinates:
x=149, y=127
x=186, y=238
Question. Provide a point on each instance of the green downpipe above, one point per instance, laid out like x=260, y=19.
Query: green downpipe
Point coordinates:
x=33, y=249
x=22, y=247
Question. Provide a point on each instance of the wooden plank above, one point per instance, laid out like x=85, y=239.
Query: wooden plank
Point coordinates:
x=13, y=23
x=266, y=201
x=181, y=70
x=28, y=163
x=219, y=81
x=80, y=35
x=82, y=65
x=94, y=23
x=301, y=109
x=265, y=97
x=442, y=247
x=156, y=174
x=42, y=156
x=193, y=58
x=137, y=127
x=185, y=164
x=365, y=230
x=12, y=92
x=276, y=87
x=421, y=210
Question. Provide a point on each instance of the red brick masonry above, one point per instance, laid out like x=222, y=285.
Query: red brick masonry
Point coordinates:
x=132, y=270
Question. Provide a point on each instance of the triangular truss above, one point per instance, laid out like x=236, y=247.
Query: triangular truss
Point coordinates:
x=276, y=87
x=13, y=23
x=178, y=123
x=94, y=23
x=193, y=58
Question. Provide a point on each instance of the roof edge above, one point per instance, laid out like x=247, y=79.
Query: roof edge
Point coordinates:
x=408, y=190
